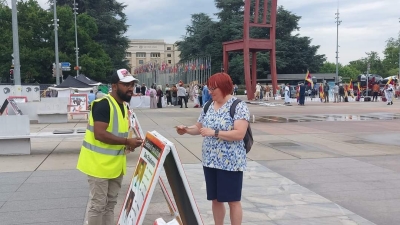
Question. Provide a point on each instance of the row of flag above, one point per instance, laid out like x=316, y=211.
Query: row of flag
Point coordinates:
x=198, y=64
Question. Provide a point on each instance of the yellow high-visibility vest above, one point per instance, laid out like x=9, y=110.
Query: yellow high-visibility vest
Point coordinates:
x=103, y=160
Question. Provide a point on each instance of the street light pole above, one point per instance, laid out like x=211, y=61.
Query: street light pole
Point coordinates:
x=55, y=20
x=338, y=22
x=76, y=39
x=17, y=66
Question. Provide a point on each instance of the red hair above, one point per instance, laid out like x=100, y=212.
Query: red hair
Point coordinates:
x=222, y=81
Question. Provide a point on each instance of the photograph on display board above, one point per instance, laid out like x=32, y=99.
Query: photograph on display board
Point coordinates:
x=139, y=172
x=78, y=102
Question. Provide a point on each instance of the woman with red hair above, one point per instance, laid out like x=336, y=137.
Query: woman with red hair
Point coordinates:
x=223, y=151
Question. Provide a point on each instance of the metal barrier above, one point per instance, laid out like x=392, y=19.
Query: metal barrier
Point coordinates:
x=160, y=78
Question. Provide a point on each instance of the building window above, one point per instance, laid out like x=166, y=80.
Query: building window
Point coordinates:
x=141, y=54
x=169, y=61
x=128, y=54
x=168, y=48
x=155, y=55
x=169, y=55
x=141, y=62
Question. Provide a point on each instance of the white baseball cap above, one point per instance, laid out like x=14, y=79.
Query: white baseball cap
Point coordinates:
x=124, y=76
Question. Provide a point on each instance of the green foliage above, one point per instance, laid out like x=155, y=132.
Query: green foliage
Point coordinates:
x=347, y=71
x=111, y=24
x=37, y=43
x=295, y=54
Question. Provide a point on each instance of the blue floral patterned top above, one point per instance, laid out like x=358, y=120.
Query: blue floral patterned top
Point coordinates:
x=217, y=153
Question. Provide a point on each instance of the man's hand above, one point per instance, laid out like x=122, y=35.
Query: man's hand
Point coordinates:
x=207, y=132
x=181, y=130
x=133, y=143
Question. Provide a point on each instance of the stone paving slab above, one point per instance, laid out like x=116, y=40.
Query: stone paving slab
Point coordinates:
x=268, y=198
x=367, y=186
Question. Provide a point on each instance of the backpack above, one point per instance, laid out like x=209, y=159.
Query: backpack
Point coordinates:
x=151, y=94
x=248, y=137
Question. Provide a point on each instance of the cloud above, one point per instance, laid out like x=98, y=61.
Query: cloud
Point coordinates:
x=366, y=24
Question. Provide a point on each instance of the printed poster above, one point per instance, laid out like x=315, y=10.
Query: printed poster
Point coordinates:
x=144, y=180
x=135, y=130
x=78, y=102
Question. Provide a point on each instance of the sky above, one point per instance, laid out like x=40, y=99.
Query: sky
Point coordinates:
x=365, y=26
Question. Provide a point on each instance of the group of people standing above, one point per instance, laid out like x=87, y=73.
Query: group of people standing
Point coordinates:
x=174, y=95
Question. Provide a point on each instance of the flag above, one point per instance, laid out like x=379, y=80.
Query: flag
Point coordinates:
x=309, y=79
x=351, y=85
x=390, y=80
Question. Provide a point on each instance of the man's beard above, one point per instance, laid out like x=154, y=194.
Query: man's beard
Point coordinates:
x=123, y=96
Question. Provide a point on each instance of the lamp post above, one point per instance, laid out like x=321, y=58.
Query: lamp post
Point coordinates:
x=76, y=39
x=17, y=66
x=398, y=74
x=57, y=64
x=338, y=22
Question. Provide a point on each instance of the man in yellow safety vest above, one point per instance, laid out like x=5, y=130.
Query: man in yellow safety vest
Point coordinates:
x=106, y=143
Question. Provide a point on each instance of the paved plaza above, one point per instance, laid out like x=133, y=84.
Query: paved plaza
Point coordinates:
x=319, y=164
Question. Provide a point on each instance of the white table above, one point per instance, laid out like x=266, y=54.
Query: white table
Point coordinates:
x=143, y=102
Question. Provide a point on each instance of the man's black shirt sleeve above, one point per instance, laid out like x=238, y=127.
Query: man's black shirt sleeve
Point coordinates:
x=101, y=111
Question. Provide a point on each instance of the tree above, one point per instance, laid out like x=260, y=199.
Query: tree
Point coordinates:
x=111, y=24
x=37, y=43
x=344, y=71
x=373, y=59
x=391, y=56
x=295, y=54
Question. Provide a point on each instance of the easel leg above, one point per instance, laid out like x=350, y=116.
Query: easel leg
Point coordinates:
x=171, y=207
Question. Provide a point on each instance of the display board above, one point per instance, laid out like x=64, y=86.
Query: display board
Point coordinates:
x=78, y=103
x=157, y=152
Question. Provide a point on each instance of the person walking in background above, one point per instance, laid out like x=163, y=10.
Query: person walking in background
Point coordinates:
x=174, y=93
x=341, y=93
x=321, y=92
x=223, y=152
x=137, y=89
x=168, y=94
x=258, y=91
x=160, y=96
x=206, y=94
x=302, y=93
x=326, y=93
x=287, y=94
x=375, y=90
x=200, y=95
x=267, y=92
x=103, y=153
x=235, y=89
x=182, y=94
x=153, y=97
x=336, y=93
x=91, y=97
x=143, y=89
x=389, y=93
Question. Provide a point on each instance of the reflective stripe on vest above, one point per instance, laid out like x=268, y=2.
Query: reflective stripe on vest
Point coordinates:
x=102, y=150
x=91, y=128
x=114, y=131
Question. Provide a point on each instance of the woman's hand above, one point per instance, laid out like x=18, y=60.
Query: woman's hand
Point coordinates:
x=207, y=132
x=181, y=130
